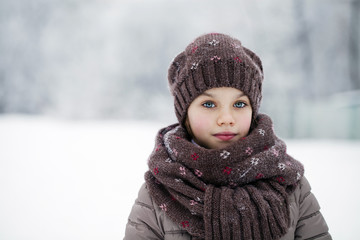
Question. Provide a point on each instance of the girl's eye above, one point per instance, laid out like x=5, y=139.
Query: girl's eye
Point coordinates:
x=208, y=104
x=239, y=104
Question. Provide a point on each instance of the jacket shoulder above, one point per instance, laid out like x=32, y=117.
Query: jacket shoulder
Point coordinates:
x=148, y=221
x=310, y=222
x=142, y=221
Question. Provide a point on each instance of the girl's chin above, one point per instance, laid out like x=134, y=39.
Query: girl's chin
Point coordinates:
x=216, y=143
x=222, y=144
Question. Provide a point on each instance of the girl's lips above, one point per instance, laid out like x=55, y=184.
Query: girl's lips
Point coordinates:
x=225, y=136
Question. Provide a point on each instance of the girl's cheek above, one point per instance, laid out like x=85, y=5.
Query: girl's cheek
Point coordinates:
x=200, y=123
x=245, y=122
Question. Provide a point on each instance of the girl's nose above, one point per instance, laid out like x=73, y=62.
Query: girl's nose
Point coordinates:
x=225, y=118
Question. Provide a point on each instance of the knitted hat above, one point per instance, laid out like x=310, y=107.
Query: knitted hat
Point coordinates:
x=211, y=61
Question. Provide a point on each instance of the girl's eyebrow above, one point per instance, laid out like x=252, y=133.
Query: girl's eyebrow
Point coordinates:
x=241, y=95
x=212, y=96
x=207, y=94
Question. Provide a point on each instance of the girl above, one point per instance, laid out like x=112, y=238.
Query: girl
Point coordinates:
x=221, y=172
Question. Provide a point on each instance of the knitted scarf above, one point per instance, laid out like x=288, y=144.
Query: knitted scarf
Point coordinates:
x=238, y=192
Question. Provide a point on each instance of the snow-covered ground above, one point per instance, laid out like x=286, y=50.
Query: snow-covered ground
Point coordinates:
x=79, y=179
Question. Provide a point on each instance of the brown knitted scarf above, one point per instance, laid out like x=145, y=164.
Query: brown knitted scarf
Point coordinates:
x=239, y=192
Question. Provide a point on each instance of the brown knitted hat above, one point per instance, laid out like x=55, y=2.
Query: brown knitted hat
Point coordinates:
x=210, y=61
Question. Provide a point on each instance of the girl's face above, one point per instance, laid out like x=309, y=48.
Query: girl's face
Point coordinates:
x=219, y=117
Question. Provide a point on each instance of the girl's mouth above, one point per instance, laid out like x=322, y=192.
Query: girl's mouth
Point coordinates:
x=225, y=136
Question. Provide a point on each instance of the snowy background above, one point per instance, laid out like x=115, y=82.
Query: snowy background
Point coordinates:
x=83, y=91
x=95, y=59
x=78, y=180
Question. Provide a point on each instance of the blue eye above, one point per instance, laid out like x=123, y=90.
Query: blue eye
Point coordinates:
x=239, y=104
x=208, y=104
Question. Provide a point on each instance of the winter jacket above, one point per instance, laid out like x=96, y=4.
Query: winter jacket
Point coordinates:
x=148, y=221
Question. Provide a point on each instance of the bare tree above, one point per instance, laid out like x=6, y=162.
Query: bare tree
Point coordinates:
x=303, y=42
x=354, y=40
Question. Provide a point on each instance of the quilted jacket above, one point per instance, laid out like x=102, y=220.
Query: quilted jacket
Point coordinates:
x=147, y=221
